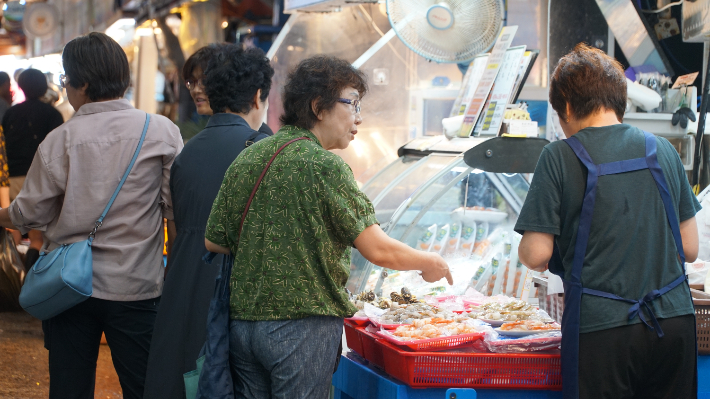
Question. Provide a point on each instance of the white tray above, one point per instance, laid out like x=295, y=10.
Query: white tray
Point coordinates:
x=522, y=333
x=490, y=216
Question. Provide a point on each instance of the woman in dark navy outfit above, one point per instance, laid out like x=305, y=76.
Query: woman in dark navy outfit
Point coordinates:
x=610, y=210
x=235, y=85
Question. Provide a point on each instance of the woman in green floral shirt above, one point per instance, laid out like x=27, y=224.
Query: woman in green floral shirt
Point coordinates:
x=293, y=257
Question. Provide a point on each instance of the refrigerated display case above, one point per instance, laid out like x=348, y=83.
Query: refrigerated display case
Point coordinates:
x=431, y=199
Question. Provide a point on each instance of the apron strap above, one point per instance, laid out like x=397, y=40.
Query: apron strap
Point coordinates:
x=585, y=218
x=655, y=168
x=573, y=286
x=635, y=309
x=628, y=165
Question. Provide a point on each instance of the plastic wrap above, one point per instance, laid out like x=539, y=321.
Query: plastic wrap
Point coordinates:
x=439, y=336
x=547, y=341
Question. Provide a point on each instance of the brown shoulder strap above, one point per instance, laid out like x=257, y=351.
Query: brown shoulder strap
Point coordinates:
x=261, y=177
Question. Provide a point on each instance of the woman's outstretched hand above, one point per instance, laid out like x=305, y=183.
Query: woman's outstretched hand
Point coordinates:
x=437, y=270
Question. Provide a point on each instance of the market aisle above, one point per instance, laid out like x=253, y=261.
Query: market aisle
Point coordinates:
x=24, y=371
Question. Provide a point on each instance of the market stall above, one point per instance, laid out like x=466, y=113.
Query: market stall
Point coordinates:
x=460, y=198
x=445, y=183
x=446, y=193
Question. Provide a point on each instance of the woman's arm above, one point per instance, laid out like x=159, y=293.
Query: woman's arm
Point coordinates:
x=212, y=247
x=689, y=236
x=4, y=197
x=535, y=250
x=380, y=249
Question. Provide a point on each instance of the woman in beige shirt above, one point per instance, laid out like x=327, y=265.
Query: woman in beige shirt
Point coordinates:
x=73, y=175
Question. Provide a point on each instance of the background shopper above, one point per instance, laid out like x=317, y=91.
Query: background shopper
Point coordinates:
x=73, y=175
x=5, y=93
x=25, y=125
x=292, y=259
x=236, y=85
x=631, y=249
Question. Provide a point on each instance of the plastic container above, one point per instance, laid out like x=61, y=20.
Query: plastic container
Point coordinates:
x=473, y=370
x=435, y=344
x=352, y=338
x=359, y=321
x=372, y=350
x=377, y=324
x=701, y=300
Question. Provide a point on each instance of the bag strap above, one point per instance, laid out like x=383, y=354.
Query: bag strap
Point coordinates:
x=100, y=220
x=261, y=177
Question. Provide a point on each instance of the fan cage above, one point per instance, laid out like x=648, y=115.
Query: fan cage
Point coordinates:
x=480, y=19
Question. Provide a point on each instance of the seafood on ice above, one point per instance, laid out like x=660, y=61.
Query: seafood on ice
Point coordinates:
x=407, y=314
x=433, y=328
x=529, y=325
x=513, y=310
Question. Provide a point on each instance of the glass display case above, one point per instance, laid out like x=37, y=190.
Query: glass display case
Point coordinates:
x=432, y=200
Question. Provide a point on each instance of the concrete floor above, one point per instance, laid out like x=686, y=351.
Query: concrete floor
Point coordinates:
x=24, y=371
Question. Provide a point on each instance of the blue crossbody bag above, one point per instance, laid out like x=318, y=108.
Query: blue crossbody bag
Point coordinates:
x=62, y=278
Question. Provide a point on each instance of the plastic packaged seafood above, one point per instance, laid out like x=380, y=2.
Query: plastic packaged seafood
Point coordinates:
x=407, y=314
x=440, y=239
x=425, y=241
x=529, y=325
x=434, y=328
x=508, y=309
x=452, y=245
x=468, y=240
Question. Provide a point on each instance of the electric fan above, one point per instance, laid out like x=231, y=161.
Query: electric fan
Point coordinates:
x=450, y=31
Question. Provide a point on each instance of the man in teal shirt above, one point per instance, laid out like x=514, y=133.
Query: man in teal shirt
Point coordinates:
x=631, y=249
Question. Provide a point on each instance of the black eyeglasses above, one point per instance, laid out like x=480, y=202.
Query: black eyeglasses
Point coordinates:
x=191, y=83
x=354, y=103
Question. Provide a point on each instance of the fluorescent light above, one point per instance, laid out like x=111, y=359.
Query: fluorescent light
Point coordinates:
x=144, y=31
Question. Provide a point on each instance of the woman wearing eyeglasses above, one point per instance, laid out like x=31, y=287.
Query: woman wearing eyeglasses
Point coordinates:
x=292, y=258
x=235, y=84
x=192, y=73
x=71, y=179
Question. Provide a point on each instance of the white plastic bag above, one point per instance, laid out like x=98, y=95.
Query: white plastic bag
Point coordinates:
x=697, y=271
x=702, y=219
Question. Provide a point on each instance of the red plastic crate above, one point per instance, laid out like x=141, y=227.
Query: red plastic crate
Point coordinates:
x=434, y=344
x=372, y=350
x=358, y=321
x=472, y=370
x=352, y=338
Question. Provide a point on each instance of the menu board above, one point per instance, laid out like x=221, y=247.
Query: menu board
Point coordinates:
x=486, y=83
x=492, y=119
x=469, y=85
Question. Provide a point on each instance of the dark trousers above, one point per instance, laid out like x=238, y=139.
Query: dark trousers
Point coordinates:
x=284, y=359
x=73, y=339
x=632, y=362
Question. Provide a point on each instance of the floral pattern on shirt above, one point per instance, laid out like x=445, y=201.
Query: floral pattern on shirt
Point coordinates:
x=294, y=258
x=4, y=172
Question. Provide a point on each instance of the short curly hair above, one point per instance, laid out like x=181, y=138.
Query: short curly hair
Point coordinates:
x=588, y=80
x=200, y=59
x=234, y=75
x=98, y=61
x=321, y=79
x=33, y=83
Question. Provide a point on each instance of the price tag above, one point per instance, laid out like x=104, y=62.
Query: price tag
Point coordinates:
x=686, y=80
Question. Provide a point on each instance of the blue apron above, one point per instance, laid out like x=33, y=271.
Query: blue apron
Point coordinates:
x=573, y=286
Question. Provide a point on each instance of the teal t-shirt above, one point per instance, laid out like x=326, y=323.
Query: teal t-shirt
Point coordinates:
x=631, y=249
